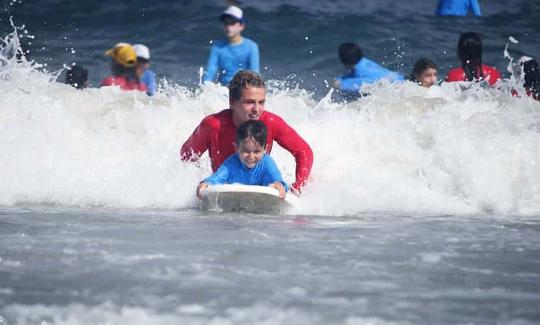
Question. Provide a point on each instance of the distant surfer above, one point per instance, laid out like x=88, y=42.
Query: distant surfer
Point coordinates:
x=458, y=8
x=234, y=52
x=147, y=76
x=424, y=73
x=123, y=68
x=217, y=132
x=250, y=165
x=360, y=70
x=469, y=52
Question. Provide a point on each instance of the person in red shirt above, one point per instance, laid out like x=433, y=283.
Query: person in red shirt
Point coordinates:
x=123, y=68
x=472, y=69
x=217, y=132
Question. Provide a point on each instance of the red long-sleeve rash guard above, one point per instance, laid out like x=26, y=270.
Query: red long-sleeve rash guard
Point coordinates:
x=217, y=133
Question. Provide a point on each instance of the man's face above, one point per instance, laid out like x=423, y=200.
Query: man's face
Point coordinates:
x=250, y=105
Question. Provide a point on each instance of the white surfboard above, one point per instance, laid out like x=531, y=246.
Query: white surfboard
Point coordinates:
x=245, y=198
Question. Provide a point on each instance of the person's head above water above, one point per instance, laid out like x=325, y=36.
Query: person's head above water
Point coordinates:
x=124, y=60
x=532, y=77
x=247, y=96
x=233, y=23
x=77, y=76
x=350, y=54
x=251, y=142
x=424, y=72
x=469, y=52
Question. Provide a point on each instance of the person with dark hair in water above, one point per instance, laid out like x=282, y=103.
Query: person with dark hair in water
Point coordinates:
x=77, y=76
x=424, y=73
x=532, y=79
x=123, y=68
x=360, y=70
x=469, y=52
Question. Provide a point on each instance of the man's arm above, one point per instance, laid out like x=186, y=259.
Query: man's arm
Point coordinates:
x=197, y=143
x=475, y=7
x=287, y=137
x=212, y=65
x=254, y=58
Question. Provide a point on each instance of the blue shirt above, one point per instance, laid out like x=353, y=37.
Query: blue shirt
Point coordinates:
x=233, y=171
x=227, y=59
x=458, y=7
x=366, y=71
x=149, y=79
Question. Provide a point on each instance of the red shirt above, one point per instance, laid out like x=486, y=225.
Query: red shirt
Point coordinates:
x=217, y=133
x=124, y=83
x=490, y=74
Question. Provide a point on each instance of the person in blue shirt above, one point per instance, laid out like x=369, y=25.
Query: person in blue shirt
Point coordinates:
x=232, y=53
x=147, y=76
x=250, y=165
x=360, y=70
x=458, y=8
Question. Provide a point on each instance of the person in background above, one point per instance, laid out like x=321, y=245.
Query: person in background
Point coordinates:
x=123, y=68
x=458, y=8
x=234, y=52
x=147, y=76
x=469, y=52
x=424, y=73
x=250, y=165
x=532, y=79
x=77, y=76
x=360, y=70
x=217, y=132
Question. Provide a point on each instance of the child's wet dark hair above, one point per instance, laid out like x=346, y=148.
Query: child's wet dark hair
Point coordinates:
x=77, y=76
x=350, y=54
x=252, y=129
x=420, y=66
x=470, y=54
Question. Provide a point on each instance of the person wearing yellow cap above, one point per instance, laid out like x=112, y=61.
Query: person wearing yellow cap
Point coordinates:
x=123, y=68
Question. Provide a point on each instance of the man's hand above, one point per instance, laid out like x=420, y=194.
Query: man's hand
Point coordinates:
x=202, y=186
x=281, y=189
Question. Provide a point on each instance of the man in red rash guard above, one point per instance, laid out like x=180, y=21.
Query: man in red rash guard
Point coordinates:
x=217, y=132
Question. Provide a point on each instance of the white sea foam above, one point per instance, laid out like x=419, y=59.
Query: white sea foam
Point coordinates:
x=404, y=149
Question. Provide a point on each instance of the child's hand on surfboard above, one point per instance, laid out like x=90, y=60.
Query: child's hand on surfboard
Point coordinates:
x=202, y=186
x=281, y=189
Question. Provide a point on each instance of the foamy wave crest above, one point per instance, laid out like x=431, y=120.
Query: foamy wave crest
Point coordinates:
x=403, y=149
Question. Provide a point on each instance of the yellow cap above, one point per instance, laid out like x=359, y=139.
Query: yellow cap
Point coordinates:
x=124, y=54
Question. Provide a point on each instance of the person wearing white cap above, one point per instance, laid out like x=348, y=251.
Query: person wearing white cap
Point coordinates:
x=234, y=52
x=147, y=76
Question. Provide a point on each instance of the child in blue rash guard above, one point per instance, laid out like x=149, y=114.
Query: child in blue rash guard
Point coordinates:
x=147, y=76
x=233, y=53
x=458, y=8
x=250, y=165
x=360, y=70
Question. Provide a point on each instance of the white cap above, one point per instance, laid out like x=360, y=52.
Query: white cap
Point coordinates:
x=142, y=51
x=234, y=12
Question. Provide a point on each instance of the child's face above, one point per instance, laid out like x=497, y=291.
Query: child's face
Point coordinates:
x=233, y=30
x=250, y=152
x=428, y=77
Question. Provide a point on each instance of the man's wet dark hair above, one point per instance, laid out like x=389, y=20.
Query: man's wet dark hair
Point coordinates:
x=350, y=54
x=420, y=66
x=77, y=76
x=253, y=129
x=532, y=77
x=243, y=79
x=470, y=54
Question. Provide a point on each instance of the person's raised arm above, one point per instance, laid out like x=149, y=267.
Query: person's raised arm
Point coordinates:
x=197, y=143
x=287, y=137
x=211, y=65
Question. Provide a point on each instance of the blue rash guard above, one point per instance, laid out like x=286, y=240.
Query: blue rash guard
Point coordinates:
x=366, y=71
x=233, y=171
x=149, y=79
x=227, y=59
x=458, y=8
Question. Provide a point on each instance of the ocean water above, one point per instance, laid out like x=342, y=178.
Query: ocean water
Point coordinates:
x=423, y=207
